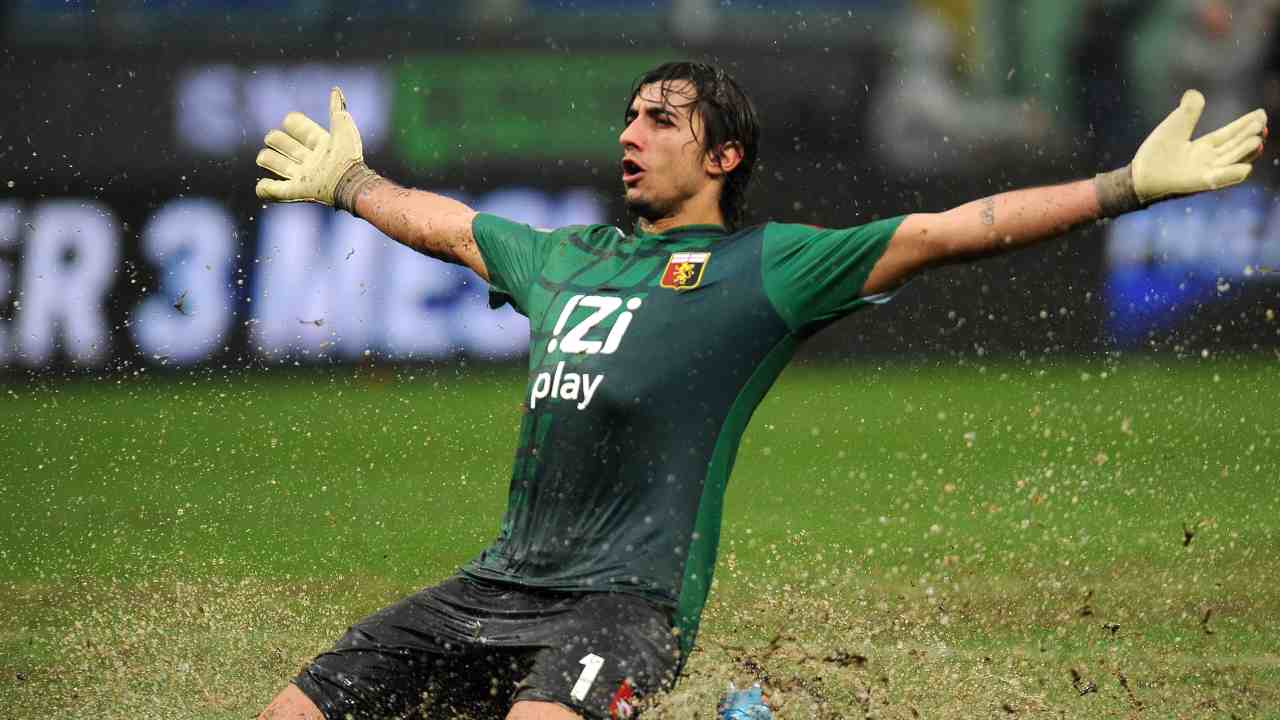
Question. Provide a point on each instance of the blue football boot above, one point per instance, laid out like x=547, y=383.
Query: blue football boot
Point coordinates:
x=743, y=704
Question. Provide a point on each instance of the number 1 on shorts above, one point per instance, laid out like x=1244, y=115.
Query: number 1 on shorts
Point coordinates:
x=591, y=665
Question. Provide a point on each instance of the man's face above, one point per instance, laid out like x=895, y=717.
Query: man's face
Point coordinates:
x=663, y=159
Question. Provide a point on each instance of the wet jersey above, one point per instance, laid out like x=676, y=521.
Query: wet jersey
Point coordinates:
x=647, y=356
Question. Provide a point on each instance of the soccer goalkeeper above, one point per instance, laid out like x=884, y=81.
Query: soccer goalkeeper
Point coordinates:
x=649, y=351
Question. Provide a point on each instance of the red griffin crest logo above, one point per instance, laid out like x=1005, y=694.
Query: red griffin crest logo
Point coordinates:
x=684, y=270
x=623, y=704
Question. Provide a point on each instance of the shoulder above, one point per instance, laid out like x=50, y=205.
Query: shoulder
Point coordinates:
x=873, y=229
x=776, y=225
x=756, y=229
x=749, y=232
x=794, y=228
x=789, y=232
x=604, y=232
x=498, y=225
x=595, y=237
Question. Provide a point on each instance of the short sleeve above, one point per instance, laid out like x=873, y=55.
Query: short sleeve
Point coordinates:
x=815, y=275
x=513, y=255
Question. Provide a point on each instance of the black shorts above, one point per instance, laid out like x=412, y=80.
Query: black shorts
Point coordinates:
x=471, y=647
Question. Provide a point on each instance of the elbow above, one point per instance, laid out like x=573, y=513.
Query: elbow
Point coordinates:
x=953, y=240
x=941, y=251
x=935, y=245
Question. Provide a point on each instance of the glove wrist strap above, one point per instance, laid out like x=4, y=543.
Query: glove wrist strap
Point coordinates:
x=1116, y=193
x=354, y=181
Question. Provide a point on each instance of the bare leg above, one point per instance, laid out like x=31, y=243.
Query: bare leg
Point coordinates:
x=292, y=704
x=538, y=710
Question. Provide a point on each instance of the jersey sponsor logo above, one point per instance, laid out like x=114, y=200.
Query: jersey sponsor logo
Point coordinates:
x=575, y=341
x=579, y=339
x=684, y=270
x=562, y=385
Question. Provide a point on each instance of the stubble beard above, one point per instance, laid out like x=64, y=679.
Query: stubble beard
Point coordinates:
x=647, y=209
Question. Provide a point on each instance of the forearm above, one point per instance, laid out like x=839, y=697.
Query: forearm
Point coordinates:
x=432, y=224
x=1168, y=164
x=1017, y=219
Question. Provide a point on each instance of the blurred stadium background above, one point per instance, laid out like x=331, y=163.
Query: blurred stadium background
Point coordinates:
x=193, y=385
x=130, y=236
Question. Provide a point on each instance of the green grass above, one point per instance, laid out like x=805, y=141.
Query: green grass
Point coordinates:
x=899, y=541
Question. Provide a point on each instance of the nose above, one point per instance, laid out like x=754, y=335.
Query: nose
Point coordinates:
x=630, y=136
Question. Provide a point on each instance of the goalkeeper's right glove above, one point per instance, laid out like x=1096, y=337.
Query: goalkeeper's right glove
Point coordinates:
x=1170, y=164
x=318, y=165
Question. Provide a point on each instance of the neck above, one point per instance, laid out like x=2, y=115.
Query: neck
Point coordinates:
x=697, y=210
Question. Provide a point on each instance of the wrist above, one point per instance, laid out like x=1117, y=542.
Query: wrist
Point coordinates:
x=354, y=181
x=1116, y=192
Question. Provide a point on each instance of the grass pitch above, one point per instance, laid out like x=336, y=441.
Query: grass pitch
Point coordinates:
x=1087, y=540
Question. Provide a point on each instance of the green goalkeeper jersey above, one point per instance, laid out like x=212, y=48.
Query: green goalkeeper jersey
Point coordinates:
x=647, y=356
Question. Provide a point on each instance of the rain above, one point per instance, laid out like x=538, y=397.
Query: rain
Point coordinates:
x=1035, y=475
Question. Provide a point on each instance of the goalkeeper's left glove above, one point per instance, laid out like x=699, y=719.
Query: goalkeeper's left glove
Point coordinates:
x=1170, y=164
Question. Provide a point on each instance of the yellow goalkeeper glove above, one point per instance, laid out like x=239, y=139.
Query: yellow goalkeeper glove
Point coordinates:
x=318, y=165
x=1169, y=163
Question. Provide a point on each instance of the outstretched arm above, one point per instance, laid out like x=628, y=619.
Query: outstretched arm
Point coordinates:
x=1168, y=164
x=327, y=167
x=429, y=223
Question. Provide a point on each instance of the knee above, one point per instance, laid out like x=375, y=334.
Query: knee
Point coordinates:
x=539, y=710
x=291, y=704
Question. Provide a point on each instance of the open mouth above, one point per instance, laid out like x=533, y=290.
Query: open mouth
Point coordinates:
x=631, y=171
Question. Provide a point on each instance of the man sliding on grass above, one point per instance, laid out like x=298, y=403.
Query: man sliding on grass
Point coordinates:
x=649, y=351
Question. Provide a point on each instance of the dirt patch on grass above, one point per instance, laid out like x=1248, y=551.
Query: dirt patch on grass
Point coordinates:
x=843, y=648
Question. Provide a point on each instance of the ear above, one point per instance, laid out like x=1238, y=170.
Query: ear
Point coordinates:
x=724, y=159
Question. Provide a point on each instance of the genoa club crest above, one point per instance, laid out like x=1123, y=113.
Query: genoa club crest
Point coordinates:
x=684, y=270
x=623, y=704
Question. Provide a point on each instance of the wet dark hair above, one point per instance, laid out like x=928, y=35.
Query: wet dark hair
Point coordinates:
x=727, y=116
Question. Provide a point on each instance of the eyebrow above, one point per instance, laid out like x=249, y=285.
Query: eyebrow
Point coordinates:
x=653, y=111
